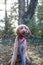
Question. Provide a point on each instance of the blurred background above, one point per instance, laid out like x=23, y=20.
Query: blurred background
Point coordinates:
x=14, y=13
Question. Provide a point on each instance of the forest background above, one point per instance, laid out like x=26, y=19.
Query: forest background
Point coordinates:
x=14, y=13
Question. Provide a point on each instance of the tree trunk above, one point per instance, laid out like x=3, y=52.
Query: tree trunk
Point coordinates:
x=6, y=15
x=27, y=4
x=4, y=35
x=31, y=9
x=21, y=11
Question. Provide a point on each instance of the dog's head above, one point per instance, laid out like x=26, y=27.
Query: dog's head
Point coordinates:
x=23, y=30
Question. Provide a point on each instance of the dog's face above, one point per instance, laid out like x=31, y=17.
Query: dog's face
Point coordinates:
x=23, y=30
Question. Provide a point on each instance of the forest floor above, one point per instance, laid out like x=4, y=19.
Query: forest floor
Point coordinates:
x=34, y=52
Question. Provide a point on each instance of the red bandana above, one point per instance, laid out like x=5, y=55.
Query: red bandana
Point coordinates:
x=21, y=39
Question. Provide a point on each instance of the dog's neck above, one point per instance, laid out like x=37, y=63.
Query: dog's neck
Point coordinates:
x=21, y=38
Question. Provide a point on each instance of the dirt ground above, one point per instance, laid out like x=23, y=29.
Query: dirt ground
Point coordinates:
x=34, y=52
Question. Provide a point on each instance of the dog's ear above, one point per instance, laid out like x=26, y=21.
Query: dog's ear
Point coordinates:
x=17, y=31
x=29, y=32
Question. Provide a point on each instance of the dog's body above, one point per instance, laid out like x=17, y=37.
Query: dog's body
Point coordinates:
x=21, y=31
x=16, y=51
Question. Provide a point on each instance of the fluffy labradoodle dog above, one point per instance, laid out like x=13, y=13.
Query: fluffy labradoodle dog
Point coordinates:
x=21, y=31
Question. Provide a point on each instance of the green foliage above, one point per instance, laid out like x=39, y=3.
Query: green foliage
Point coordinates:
x=36, y=27
x=9, y=21
x=32, y=25
x=9, y=32
x=14, y=11
x=40, y=28
x=40, y=20
x=40, y=12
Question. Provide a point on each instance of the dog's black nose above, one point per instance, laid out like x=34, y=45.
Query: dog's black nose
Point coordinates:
x=23, y=32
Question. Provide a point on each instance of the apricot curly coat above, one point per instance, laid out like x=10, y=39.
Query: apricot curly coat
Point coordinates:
x=22, y=30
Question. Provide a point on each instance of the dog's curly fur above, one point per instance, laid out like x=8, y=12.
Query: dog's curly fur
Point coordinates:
x=22, y=31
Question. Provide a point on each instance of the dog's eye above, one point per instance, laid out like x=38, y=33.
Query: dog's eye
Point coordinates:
x=26, y=28
x=21, y=28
